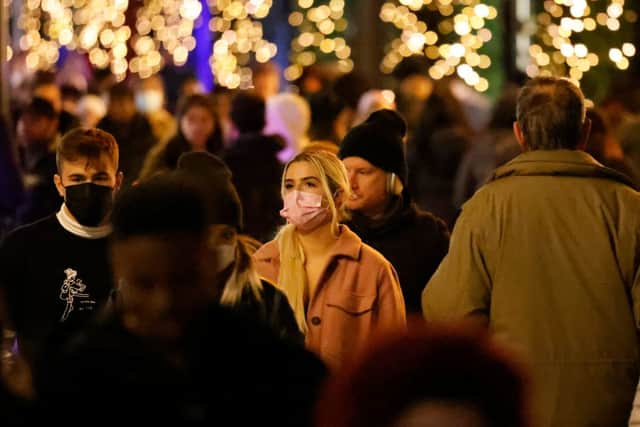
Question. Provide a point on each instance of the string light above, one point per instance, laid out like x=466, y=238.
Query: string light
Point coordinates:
x=463, y=21
x=563, y=28
x=239, y=37
x=98, y=28
x=93, y=26
x=320, y=26
x=163, y=25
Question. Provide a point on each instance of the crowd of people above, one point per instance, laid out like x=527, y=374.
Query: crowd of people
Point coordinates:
x=337, y=255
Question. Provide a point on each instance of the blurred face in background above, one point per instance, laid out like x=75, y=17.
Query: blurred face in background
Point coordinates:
x=267, y=83
x=51, y=93
x=36, y=130
x=197, y=125
x=122, y=109
x=165, y=281
x=149, y=97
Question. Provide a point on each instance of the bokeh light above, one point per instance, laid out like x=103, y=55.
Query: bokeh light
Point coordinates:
x=463, y=22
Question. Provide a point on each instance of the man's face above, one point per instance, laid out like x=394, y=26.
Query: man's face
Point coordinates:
x=368, y=186
x=197, y=125
x=34, y=130
x=51, y=93
x=122, y=109
x=267, y=84
x=100, y=171
x=165, y=280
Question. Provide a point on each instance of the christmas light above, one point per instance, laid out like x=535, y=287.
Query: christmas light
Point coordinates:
x=463, y=21
x=239, y=37
x=320, y=25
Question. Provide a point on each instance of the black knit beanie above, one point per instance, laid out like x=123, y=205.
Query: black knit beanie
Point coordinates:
x=379, y=141
x=213, y=178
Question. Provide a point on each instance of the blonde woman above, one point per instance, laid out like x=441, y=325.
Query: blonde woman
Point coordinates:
x=341, y=290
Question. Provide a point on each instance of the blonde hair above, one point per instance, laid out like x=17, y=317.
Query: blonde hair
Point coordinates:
x=292, y=277
x=244, y=274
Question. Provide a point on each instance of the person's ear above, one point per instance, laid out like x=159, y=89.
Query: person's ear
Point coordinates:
x=584, y=134
x=517, y=132
x=57, y=180
x=119, y=179
x=338, y=198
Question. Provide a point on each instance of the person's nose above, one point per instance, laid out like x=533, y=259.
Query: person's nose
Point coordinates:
x=353, y=181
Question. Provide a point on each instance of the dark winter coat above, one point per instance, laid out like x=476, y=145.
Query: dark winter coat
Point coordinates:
x=228, y=369
x=414, y=241
x=274, y=310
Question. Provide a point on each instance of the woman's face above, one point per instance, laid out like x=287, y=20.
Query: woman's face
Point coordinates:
x=197, y=125
x=222, y=234
x=302, y=176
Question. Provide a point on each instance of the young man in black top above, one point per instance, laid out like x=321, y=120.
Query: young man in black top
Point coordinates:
x=55, y=272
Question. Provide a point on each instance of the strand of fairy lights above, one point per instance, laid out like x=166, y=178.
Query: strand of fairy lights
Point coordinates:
x=465, y=20
x=163, y=25
x=559, y=48
x=320, y=33
x=239, y=38
x=98, y=28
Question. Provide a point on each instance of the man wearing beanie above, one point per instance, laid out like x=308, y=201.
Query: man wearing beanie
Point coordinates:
x=383, y=214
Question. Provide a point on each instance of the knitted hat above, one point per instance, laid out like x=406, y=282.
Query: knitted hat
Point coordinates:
x=213, y=178
x=379, y=141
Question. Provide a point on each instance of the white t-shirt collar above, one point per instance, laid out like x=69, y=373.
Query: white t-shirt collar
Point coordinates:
x=74, y=227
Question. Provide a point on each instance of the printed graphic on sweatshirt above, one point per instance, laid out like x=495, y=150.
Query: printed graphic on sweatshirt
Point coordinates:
x=73, y=293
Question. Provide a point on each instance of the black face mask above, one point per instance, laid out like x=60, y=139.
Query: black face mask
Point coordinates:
x=89, y=203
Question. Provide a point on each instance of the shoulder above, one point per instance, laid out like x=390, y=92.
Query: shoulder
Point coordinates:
x=370, y=258
x=269, y=290
x=34, y=230
x=428, y=222
x=267, y=252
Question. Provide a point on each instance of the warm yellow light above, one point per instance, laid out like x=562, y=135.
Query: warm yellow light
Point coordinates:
x=581, y=50
x=623, y=64
x=615, y=55
x=296, y=18
x=327, y=45
x=614, y=10
x=481, y=10
x=293, y=72
x=628, y=49
x=416, y=42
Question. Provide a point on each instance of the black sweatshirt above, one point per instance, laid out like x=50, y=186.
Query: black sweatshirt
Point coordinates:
x=53, y=281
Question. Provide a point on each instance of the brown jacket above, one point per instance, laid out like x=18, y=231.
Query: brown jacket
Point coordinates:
x=358, y=295
x=549, y=252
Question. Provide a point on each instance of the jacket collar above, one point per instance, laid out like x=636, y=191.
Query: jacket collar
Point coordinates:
x=558, y=163
x=401, y=212
x=347, y=245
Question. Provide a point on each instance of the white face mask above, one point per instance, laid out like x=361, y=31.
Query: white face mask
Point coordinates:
x=149, y=101
x=226, y=255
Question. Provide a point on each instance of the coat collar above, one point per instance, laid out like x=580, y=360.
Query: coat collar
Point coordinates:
x=347, y=245
x=558, y=163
